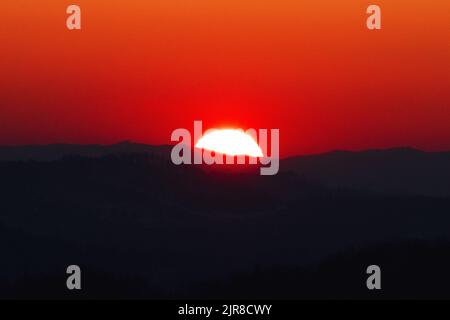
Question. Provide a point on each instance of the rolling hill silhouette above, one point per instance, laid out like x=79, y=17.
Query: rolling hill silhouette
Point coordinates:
x=132, y=219
x=392, y=171
x=53, y=152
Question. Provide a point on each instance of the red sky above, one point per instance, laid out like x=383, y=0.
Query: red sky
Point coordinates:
x=140, y=69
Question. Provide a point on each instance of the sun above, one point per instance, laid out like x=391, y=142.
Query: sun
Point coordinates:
x=233, y=142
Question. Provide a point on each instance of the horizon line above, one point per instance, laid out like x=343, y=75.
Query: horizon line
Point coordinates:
x=130, y=142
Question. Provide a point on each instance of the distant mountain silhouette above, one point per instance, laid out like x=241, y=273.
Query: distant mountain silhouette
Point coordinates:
x=57, y=151
x=131, y=218
x=392, y=171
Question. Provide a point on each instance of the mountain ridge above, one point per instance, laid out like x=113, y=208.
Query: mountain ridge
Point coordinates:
x=402, y=170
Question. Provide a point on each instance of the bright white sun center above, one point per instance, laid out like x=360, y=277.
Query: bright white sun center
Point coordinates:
x=232, y=142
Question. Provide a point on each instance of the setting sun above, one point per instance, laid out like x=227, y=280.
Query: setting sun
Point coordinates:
x=231, y=142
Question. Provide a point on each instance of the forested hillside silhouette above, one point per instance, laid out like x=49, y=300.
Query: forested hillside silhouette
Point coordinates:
x=141, y=227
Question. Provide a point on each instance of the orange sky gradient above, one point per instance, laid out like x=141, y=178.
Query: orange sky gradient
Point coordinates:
x=139, y=69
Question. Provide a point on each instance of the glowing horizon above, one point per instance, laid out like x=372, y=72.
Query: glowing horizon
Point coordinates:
x=139, y=69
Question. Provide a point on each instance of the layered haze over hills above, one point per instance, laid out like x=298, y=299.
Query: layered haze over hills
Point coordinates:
x=397, y=170
x=140, y=226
